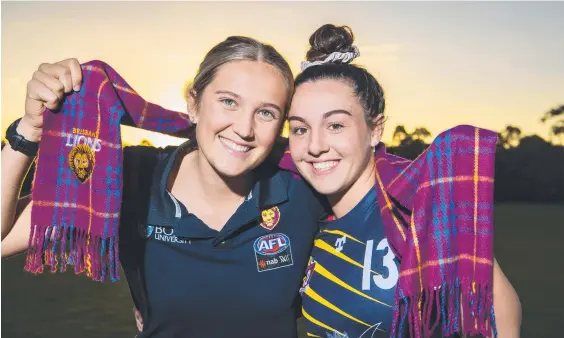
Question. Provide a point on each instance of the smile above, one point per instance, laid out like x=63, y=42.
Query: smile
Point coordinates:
x=323, y=168
x=234, y=147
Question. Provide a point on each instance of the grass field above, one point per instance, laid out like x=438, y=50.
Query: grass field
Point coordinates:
x=529, y=246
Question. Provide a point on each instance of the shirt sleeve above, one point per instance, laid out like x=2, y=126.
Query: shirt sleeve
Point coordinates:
x=138, y=167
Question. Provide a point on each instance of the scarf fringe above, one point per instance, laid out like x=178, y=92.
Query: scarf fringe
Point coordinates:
x=465, y=310
x=57, y=246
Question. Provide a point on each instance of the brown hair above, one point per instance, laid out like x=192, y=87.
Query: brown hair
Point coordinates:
x=328, y=39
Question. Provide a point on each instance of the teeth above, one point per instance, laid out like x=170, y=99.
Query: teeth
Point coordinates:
x=324, y=165
x=235, y=146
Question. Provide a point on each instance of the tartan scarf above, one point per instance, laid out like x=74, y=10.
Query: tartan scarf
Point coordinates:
x=77, y=187
x=437, y=213
x=438, y=216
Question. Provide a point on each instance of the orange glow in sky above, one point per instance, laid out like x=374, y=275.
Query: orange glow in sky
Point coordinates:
x=484, y=63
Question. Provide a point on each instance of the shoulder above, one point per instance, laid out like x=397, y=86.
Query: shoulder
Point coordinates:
x=302, y=195
x=140, y=164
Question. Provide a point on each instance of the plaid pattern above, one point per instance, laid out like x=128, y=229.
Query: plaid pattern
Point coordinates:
x=73, y=222
x=438, y=217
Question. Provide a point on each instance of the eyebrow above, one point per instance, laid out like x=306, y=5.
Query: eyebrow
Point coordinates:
x=296, y=118
x=266, y=104
x=326, y=115
x=334, y=112
x=228, y=93
x=272, y=105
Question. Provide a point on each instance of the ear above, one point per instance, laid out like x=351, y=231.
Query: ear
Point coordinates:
x=192, y=106
x=377, y=129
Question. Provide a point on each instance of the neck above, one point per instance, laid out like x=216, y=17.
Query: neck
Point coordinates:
x=203, y=180
x=344, y=201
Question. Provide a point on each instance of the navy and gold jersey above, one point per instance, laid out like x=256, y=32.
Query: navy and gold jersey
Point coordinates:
x=349, y=287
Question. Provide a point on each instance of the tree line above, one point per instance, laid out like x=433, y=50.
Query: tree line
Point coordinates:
x=527, y=168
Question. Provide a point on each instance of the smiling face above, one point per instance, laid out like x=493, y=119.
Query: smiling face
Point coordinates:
x=330, y=141
x=239, y=115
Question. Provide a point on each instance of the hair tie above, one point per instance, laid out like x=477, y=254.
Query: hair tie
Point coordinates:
x=343, y=57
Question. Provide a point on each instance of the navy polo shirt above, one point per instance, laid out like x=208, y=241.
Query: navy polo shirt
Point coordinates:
x=192, y=281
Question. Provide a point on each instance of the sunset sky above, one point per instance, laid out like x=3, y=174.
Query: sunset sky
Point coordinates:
x=443, y=63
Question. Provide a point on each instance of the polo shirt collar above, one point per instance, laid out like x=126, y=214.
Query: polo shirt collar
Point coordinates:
x=269, y=190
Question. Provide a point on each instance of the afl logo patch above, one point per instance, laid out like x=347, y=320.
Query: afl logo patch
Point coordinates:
x=81, y=161
x=270, y=218
x=273, y=251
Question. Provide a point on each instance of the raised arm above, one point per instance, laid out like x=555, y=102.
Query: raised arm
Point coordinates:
x=47, y=88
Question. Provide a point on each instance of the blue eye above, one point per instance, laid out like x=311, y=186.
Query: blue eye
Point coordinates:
x=266, y=114
x=228, y=102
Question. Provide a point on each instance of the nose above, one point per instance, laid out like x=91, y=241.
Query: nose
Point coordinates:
x=244, y=126
x=317, y=144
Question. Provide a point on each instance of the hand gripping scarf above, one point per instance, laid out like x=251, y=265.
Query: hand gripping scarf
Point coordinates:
x=438, y=218
x=77, y=188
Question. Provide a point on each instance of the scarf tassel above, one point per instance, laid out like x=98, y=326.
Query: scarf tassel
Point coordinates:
x=466, y=310
x=57, y=246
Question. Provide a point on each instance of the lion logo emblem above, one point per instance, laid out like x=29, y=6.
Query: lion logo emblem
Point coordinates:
x=81, y=162
x=270, y=218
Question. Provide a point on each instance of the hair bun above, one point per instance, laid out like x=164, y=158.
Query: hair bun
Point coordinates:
x=328, y=39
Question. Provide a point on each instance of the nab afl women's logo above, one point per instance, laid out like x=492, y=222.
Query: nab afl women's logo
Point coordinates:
x=81, y=161
x=272, y=252
x=270, y=218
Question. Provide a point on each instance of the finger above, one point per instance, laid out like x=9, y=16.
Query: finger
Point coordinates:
x=54, y=84
x=76, y=73
x=138, y=320
x=139, y=325
x=138, y=317
x=59, y=71
x=41, y=96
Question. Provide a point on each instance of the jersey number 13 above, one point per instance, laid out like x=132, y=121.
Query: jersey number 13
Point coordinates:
x=387, y=261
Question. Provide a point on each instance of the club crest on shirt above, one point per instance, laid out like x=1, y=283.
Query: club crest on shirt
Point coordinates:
x=273, y=251
x=270, y=218
x=81, y=161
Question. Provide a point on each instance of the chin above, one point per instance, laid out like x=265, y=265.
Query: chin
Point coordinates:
x=230, y=170
x=327, y=189
x=229, y=167
x=324, y=185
